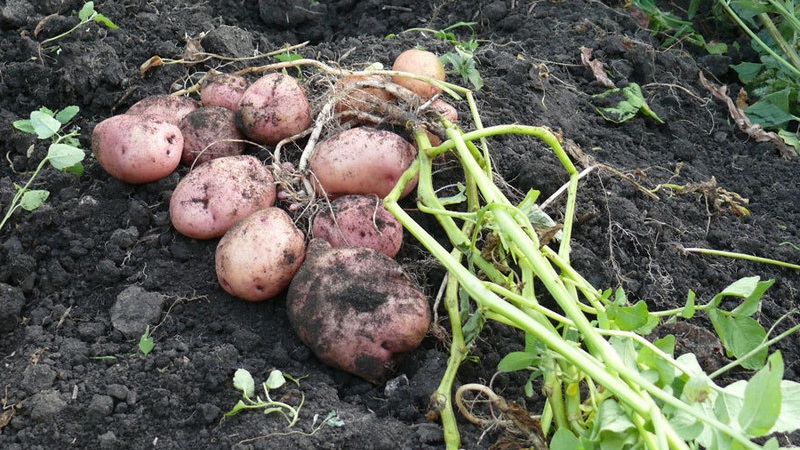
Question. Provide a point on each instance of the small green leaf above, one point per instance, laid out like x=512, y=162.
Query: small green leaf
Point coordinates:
x=333, y=420
x=630, y=101
x=25, y=126
x=243, y=381
x=747, y=71
x=86, y=12
x=772, y=110
x=563, y=439
x=105, y=21
x=146, y=344
x=62, y=156
x=750, y=305
x=33, y=199
x=628, y=318
x=275, y=379
x=648, y=358
x=689, y=309
x=240, y=405
x=762, y=398
x=66, y=114
x=45, y=126
x=517, y=361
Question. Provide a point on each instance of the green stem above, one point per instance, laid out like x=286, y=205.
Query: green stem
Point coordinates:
x=15, y=201
x=755, y=350
x=706, y=251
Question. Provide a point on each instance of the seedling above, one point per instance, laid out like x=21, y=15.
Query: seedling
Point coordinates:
x=63, y=154
x=86, y=14
x=243, y=381
x=630, y=103
x=146, y=343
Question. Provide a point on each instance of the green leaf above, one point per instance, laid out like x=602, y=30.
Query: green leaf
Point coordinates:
x=243, y=381
x=62, y=156
x=517, y=361
x=747, y=71
x=630, y=103
x=791, y=139
x=33, y=199
x=563, y=439
x=772, y=110
x=628, y=318
x=689, y=309
x=762, y=398
x=746, y=335
x=649, y=359
x=750, y=305
x=86, y=12
x=743, y=287
x=105, y=21
x=457, y=198
x=240, y=405
x=66, y=114
x=275, y=379
x=45, y=125
x=616, y=429
x=146, y=344
x=789, y=418
x=25, y=126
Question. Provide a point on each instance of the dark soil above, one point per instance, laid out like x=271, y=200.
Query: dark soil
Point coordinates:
x=70, y=376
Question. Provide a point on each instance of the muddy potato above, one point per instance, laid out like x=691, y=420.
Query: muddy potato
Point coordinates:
x=361, y=160
x=215, y=195
x=355, y=308
x=419, y=62
x=258, y=257
x=169, y=107
x=209, y=132
x=360, y=99
x=225, y=89
x=273, y=108
x=359, y=221
x=137, y=149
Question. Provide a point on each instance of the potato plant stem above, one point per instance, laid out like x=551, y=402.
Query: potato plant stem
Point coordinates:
x=744, y=256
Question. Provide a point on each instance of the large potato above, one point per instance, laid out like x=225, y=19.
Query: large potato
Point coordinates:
x=225, y=89
x=258, y=257
x=137, y=149
x=361, y=160
x=419, y=62
x=209, y=132
x=359, y=221
x=168, y=107
x=273, y=108
x=356, y=309
x=219, y=193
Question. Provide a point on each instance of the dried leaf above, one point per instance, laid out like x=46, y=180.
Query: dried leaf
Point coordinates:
x=596, y=66
x=154, y=61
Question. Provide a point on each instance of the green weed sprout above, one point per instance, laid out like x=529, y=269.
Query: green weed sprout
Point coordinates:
x=63, y=154
x=86, y=14
x=146, y=343
x=243, y=381
x=606, y=385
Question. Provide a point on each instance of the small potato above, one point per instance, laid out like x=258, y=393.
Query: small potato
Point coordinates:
x=137, y=149
x=447, y=110
x=209, y=132
x=224, y=90
x=219, y=193
x=273, y=108
x=258, y=257
x=359, y=221
x=356, y=309
x=361, y=160
x=360, y=99
x=168, y=107
x=419, y=62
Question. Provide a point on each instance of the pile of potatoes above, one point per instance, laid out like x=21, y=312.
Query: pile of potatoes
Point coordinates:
x=347, y=298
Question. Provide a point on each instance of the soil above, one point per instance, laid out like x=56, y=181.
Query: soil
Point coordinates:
x=100, y=255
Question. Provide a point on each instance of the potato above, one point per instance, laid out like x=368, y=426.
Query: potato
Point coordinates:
x=419, y=62
x=258, y=257
x=447, y=110
x=364, y=99
x=219, y=193
x=137, y=149
x=359, y=221
x=356, y=309
x=209, y=132
x=168, y=107
x=361, y=160
x=273, y=108
x=224, y=90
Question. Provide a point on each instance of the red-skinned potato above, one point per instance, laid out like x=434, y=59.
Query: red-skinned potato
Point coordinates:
x=356, y=309
x=361, y=160
x=359, y=221
x=273, y=108
x=209, y=132
x=225, y=89
x=258, y=257
x=168, y=107
x=137, y=149
x=217, y=194
x=419, y=62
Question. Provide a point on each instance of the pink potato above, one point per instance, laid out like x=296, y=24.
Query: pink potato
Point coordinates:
x=359, y=221
x=361, y=160
x=168, y=107
x=219, y=193
x=419, y=62
x=209, y=132
x=258, y=257
x=224, y=90
x=137, y=149
x=356, y=309
x=273, y=108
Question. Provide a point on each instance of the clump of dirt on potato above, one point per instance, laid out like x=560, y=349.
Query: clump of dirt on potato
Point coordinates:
x=356, y=309
x=168, y=107
x=210, y=132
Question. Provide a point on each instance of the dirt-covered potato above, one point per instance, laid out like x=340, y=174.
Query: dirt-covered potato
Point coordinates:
x=356, y=309
x=359, y=221
x=168, y=107
x=209, y=132
x=363, y=99
x=225, y=89
x=419, y=62
x=361, y=160
x=219, y=193
x=273, y=108
x=258, y=257
x=137, y=149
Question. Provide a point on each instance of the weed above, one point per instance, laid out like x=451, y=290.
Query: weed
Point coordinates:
x=146, y=344
x=630, y=102
x=86, y=14
x=243, y=381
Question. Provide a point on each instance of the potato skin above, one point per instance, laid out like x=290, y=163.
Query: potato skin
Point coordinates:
x=364, y=99
x=359, y=221
x=219, y=193
x=209, y=132
x=355, y=308
x=361, y=160
x=137, y=149
x=258, y=257
x=273, y=108
x=419, y=62
x=224, y=90
x=168, y=107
